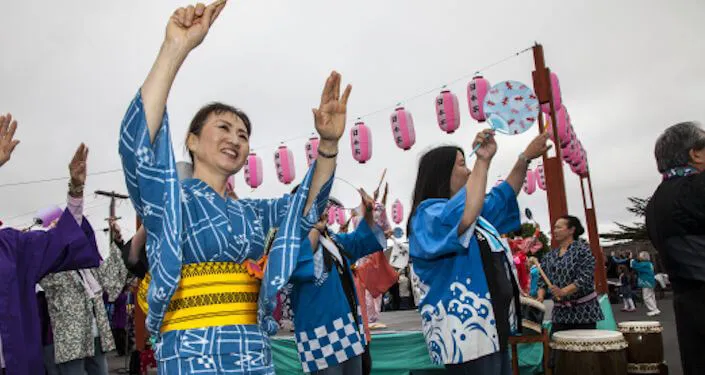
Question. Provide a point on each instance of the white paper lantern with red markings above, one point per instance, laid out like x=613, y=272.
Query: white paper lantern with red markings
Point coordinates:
x=529, y=182
x=340, y=216
x=361, y=142
x=311, y=149
x=403, y=128
x=253, y=170
x=284, y=163
x=477, y=90
x=447, y=111
x=556, y=92
x=540, y=175
x=397, y=212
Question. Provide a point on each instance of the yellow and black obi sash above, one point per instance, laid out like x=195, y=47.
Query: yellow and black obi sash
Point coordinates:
x=209, y=294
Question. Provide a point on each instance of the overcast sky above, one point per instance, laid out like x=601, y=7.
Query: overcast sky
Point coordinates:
x=628, y=69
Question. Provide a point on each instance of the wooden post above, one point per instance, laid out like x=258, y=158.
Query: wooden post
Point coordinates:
x=555, y=179
x=553, y=167
x=593, y=234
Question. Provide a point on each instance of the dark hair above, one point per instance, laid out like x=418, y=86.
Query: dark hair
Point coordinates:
x=217, y=108
x=623, y=269
x=673, y=146
x=574, y=222
x=433, y=177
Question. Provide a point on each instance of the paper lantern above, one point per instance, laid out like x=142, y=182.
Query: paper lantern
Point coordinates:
x=340, y=217
x=477, y=90
x=284, y=162
x=540, y=175
x=253, y=170
x=46, y=216
x=530, y=182
x=403, y=128
x=447, y=111
x=332, y=213
x=311, y=149
x=564, y=126
x=361, y=142
x=582, y=169
x=397, y=212
x=556, y=92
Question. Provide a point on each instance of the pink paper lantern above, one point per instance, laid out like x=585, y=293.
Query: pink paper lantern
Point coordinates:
x=447, y=111
x=332, y=213
x=540, y=175
x=477, y=90
x=582, y=169
x=46, y=216
x=564, y=126
x=529, y=182
x=397, y=212
x=284, y=162
x=311, y=148
x=253, y=171
x=556, y=92
x=361, y=142
x=340, y=216
x=403, y=128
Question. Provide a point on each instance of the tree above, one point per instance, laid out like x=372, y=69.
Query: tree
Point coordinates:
x=635, y=231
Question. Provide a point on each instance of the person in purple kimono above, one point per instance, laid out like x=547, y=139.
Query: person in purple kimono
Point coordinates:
x=26, y=257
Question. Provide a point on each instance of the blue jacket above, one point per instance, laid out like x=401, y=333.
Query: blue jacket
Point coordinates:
x=327, y=331
x=645, y=273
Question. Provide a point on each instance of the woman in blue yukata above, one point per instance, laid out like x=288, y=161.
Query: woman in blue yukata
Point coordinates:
x=329, y=327
x=466, y=277
x=216, y=263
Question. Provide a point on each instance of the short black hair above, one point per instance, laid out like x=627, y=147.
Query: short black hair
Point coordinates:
x=574, y=222
x=215, y=107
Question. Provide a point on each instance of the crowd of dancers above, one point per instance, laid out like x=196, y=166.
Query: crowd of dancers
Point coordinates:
x=218, y=271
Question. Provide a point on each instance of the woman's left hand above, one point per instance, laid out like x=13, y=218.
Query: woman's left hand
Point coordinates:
x=330, y=115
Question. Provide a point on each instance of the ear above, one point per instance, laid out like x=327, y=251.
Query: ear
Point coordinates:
x=192, y=142
x=697, y=157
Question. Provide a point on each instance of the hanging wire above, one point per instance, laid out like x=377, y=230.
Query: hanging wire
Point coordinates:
x=478, y=71
x=57, y=178
x=387, y=108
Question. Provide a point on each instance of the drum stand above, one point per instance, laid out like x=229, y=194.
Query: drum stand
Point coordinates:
x=544, y=338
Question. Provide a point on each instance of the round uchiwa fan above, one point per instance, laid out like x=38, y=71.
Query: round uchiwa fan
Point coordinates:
x=511, y=107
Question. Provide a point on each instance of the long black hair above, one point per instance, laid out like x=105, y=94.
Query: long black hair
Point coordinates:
x=433, y=178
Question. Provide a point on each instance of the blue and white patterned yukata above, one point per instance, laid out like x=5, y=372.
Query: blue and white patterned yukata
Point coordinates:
x=455, y=304
x=327, y=333
x=188, y=222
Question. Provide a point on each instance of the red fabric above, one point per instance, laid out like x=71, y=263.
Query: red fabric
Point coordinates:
x=522, y=271
x=375, y=276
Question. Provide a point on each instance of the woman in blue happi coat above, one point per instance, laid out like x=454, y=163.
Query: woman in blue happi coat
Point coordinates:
x=216, y=263
x=329, y=330
x=468, y=289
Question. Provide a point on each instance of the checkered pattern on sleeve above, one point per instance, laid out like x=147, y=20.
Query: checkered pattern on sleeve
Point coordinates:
x=331, y=344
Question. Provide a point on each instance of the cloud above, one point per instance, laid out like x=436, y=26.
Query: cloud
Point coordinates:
x=627, y=70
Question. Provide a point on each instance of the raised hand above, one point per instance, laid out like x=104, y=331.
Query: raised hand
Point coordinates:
x=537, y=146
x=8, y=126
x=188, y=26
x=368, y=206
x=488, y=146
x=330, y=115
x=77, y=167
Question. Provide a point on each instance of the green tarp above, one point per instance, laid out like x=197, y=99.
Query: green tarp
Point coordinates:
x=405, y=353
